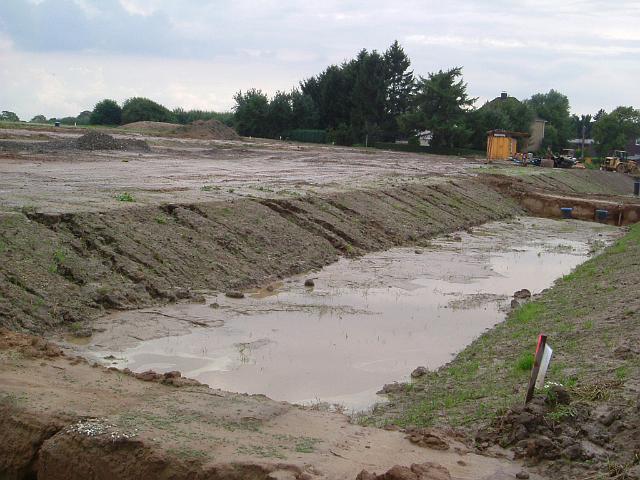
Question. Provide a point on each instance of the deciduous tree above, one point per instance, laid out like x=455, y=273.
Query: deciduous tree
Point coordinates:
x=138, y=109
x=106, y=112
x=7, y=116
x=614, y=130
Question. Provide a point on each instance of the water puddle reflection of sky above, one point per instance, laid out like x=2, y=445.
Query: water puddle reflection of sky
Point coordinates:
x=367, y=321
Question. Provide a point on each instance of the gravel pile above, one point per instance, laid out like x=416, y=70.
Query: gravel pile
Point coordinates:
x=88, y=141
x=102, y=141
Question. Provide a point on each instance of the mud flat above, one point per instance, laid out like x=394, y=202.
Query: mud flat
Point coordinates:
x=366, y=322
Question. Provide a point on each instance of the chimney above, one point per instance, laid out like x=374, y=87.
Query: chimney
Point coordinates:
x=504, y=96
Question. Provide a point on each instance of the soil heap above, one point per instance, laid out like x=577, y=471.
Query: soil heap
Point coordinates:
x=102, y=141
x=89, y=141
x=200, y=129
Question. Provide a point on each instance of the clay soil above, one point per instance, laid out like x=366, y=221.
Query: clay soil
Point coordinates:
x=83, y=233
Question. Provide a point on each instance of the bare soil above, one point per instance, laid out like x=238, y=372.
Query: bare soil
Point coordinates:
x=201, y=129
x=84, y=233
x=63, y=418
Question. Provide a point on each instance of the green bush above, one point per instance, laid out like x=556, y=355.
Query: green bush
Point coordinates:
x=187, y=116
x=138, y=109
x=342, y=135
x=106, y=112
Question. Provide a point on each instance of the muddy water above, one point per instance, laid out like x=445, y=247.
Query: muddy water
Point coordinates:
x=366, y=322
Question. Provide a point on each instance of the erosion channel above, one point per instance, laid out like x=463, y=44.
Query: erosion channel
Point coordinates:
x=363, y=323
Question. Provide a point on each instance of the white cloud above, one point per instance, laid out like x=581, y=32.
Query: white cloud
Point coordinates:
x=140, y=7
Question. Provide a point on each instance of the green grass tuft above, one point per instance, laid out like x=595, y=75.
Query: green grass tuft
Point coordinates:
x=125, y=197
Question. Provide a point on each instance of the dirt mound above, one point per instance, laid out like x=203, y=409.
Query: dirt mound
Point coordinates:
x=564, y=425
x=200, y=129
x=89, y=141
x=207, y=129
x=422, y=471
x=158, y=127
x=102, y=141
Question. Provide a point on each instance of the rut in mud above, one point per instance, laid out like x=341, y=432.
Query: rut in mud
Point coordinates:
x=59, y=269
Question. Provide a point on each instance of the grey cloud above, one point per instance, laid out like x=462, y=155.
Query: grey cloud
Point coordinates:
x=523, y=46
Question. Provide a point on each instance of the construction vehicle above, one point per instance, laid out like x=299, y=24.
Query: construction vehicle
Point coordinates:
x=568, y=153
x=564, y=160
x=620, y=163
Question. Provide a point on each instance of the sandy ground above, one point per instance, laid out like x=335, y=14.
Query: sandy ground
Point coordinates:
x=190, y=428
x=185, y=170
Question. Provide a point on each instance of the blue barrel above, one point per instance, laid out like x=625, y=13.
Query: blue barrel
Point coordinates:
x=601, y=215
x=566, y=212
x=636, y=187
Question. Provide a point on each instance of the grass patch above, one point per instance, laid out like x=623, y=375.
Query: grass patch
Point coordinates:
x=306, y=444
x=75, y=326
x=262, y=451
x=622, y=373
x=528, y=312
x=58, y=257
x=125, y=197
x=525, y=362
x=561, y=413
x=490, y=374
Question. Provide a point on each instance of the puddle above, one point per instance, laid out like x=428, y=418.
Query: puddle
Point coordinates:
x=367, y=321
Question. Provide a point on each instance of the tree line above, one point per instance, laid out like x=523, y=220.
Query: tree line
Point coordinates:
x=376, y=97
x=108, y=112
x=139, y=109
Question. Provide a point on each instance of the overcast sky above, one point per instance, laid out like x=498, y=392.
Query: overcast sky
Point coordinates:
x=59, y=57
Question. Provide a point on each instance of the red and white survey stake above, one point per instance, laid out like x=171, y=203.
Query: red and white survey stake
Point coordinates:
x=541, y=362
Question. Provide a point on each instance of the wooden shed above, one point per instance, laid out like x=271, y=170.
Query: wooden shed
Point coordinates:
x=503, y=144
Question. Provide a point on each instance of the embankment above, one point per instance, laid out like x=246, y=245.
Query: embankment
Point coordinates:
x=60, y=269
x=592, y=319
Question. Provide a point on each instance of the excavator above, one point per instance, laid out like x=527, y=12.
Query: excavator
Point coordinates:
x=620, y=163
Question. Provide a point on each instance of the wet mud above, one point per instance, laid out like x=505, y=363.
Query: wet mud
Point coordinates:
x=372, y=319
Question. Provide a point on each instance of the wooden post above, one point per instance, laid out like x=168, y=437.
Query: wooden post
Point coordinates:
x=542, y=341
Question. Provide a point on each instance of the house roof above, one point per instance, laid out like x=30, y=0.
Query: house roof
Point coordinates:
x=508, y=133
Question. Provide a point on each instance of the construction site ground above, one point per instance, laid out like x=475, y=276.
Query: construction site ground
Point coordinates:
x=86, y=233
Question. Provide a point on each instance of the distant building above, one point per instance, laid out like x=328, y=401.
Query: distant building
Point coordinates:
x=503, y=144
x=425, y=138
x=536, y=129
x=589, y=146
x=633, y=148
x=537, y=135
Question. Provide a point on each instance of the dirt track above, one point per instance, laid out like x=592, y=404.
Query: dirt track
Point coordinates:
x=206, y=216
